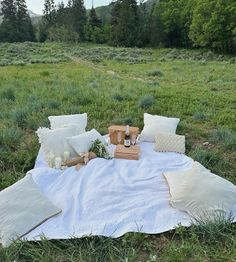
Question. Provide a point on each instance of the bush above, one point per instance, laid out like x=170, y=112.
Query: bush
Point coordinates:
x=225, y=137
x=155, y=72
x=45, y=73
x=53, y=104
x=146, y=101
x=10, y=137
x=8, y=94
x=199, y=117
x=117, y=97
x=128, y=121
x=19, y=116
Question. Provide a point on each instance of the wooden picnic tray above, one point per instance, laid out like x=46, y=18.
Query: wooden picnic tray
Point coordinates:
x=114, y=129
x=130, y=153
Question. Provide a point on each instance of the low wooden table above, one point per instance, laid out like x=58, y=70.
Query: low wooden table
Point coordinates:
x=130, y=153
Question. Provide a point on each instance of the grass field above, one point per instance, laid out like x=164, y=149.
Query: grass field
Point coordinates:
x=117, y=85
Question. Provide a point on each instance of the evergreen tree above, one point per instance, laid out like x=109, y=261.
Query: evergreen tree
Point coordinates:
x=143, y=15
x=125, y=28
x=8, y=28
x=79, y=18
x=49, y=12
x=93, y=19
x=25, y=28
x=156, y=34
x=69, y=3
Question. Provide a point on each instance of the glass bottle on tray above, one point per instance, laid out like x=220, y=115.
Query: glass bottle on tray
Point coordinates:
x=127, y=141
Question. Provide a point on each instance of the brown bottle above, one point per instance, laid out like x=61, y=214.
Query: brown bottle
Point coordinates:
x=127, y=141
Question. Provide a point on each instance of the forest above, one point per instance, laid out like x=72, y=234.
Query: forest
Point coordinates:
x=165, y=23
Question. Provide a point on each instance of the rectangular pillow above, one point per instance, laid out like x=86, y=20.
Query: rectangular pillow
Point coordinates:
x=83, y=142
x=154, y=124
x=204, y=195
x=22, y=208
x=166, y=142
x=54, y=142
x=79, y=120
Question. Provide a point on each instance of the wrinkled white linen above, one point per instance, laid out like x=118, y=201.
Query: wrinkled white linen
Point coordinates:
x=111, y=197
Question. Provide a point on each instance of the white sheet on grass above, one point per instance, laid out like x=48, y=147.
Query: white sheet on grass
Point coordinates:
x=111, y=197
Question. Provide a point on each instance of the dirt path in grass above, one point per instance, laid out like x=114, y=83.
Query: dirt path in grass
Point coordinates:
x=105, y=71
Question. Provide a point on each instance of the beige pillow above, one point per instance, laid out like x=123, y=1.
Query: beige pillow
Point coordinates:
x=83, y=142
x=80, y=120
x=166, y=142
x=54, y=142
x=22, y=208
x=200, y=193
x=154, y=124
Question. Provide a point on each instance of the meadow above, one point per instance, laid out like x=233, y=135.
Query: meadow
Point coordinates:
x=116, y=86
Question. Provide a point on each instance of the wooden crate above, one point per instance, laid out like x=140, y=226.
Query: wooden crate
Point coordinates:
x=130, y=153
x=114, y=129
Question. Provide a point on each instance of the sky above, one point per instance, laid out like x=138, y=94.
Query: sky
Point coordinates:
x=37, y=5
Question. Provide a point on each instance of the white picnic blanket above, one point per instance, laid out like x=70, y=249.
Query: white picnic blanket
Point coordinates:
x=111, y=197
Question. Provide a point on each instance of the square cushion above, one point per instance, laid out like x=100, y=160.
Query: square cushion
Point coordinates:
x=83, y=142
x=200, y=193
x=154, y=124
x=166, y=142
x=54, y=142
x=80, y=120
x=22, y=208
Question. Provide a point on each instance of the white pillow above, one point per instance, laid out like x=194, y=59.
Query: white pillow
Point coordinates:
x=200, y=193
x=166, y=142
x=154, y=124
x=79, y=120
x=82, y=143
x=54, y=142
x=22, y=208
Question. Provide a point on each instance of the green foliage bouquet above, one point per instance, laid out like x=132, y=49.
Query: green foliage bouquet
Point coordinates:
x=99, y=149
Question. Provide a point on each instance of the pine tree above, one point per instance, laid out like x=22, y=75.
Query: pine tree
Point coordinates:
x=49, y=12
x=24, y=25
x=79, y=18
x=8, y=28
x=94, y=21
x=69, y=3
x=125, y=21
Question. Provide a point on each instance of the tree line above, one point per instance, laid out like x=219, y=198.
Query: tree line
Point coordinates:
x=16, y=25
x=158, y=23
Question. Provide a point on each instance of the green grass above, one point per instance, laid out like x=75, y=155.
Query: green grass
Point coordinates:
x=117, y=85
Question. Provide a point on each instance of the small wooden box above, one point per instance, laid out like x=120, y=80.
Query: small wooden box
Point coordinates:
x=113, y=133
x=130, y=153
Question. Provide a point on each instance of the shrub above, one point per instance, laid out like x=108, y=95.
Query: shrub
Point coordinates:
x=5, y=62
x=146, y=101
x=84, y=100
x=45, y=73
x=18, y=63
x=199, y=117
x=53, y=104
x=225, y=137
x=155, y=72
x=19, y=116
x=11, y=137
x=8, y=94
x=117, y=97
x=93, y=84
x=128, y=121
